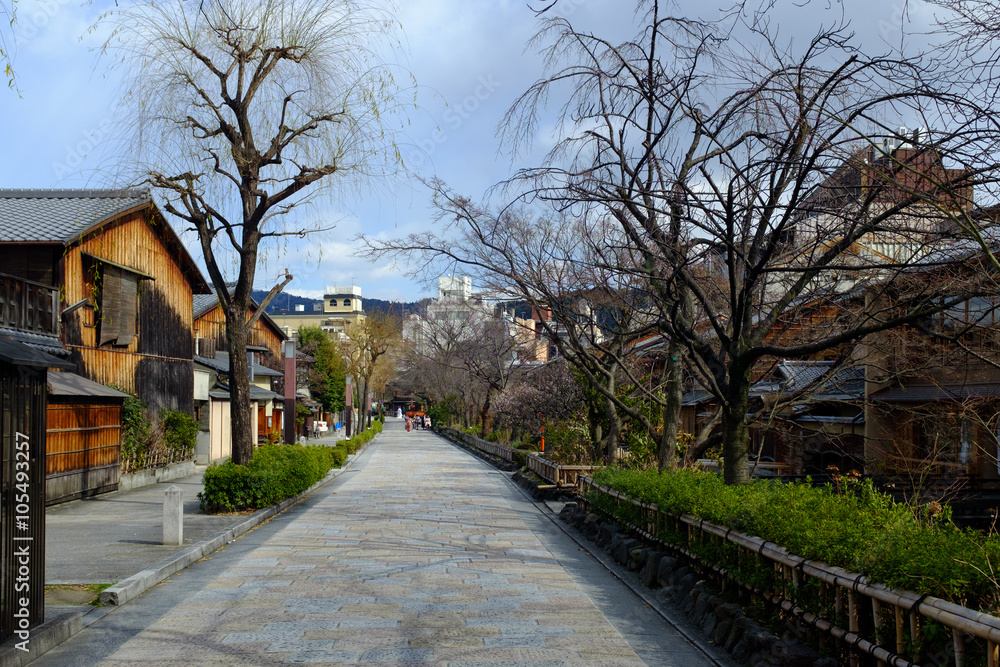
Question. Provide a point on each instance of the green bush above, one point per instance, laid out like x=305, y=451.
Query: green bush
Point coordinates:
x=136, y=431
x=275, y=472
x=180, y=431
x=851, y=525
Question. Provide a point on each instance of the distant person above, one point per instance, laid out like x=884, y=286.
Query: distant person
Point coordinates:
x=399, y=413
x=427, y=424
x=409, y=424
x=308, y=430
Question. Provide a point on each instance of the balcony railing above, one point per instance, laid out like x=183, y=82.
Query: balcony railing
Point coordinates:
x=28, y=306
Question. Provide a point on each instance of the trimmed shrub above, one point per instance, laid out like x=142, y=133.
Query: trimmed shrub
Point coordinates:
x=274, y=473
x=851, y=525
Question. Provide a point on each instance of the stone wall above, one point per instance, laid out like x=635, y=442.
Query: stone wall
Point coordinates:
x=722, y=622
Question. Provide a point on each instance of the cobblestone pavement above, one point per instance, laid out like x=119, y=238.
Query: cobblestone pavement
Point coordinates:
x=418, y=557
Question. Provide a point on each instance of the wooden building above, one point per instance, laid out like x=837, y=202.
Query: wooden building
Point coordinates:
x=212, y=397
x=210, y=330
x=100, y=278
x=125, y=284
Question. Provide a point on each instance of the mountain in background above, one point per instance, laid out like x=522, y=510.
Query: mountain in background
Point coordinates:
x=286, y=302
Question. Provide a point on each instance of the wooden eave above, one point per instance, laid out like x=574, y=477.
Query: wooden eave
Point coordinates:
x=189, y=269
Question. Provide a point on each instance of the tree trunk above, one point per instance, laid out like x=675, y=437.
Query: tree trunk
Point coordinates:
x=363, y=404
x=243, y=435
x=735, y=433
x=671, y=409
x=615, y=422
x=596, y=429
x=484, y=414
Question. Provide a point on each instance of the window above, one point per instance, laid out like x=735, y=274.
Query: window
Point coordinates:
x=114, y=294
x=347, y=302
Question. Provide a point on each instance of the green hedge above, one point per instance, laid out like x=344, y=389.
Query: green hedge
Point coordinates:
x=852, y=526
x=275, y=472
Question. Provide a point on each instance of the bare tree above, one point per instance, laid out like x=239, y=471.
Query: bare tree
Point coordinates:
x=740, y=183
x=467, y=339
x=369, y=348
x=245, y=110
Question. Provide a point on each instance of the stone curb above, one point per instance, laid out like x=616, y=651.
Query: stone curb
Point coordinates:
x=132, y=587
x=55, y=631
x=43, y=639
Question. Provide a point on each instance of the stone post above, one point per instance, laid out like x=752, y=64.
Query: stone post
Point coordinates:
x=173, y=516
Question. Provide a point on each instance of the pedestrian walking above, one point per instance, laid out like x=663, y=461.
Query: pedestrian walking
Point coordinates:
x=409, y=424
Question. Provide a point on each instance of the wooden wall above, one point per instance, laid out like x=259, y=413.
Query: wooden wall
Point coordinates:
x=157, y=365
x=212, y=325
x=83, y=449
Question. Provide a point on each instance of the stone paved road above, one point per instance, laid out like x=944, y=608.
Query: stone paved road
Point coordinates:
x=422, y=555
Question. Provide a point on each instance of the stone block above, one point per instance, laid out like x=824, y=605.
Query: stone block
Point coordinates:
x=702, y=608
x=736, y=634
x=623, y=549
x=826, y=662
x=616, y=540
x=607, y=533
x=791, y=652
x=722, y=630
x=728, y=610
x=637, y=558
x=173, y=516
x=650, y=573
x=665, y=570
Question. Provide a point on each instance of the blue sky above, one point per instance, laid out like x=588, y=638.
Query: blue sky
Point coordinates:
x=467, y=56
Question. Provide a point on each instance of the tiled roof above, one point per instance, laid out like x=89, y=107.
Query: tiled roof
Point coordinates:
x=925, y=393
x=45, y=343
x=256, y=393
x=204, y=303
x=71, y=384
x=695, y=397
x=798, y=375
x=846, y=384
x=221, y=364
x=19, y=354
x=61, y=215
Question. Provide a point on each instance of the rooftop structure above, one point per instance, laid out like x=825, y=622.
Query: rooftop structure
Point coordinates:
x=454, y=288
x=342, y=300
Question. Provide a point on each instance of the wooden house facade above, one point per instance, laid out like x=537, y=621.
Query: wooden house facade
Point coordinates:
x=100, y=278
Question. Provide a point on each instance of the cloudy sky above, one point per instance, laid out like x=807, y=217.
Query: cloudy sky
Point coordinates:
x=468, y=58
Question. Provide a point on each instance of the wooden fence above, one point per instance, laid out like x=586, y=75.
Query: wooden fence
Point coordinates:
x=560, y=475
x=874, y=624
x=563, y=477
x=503, y=452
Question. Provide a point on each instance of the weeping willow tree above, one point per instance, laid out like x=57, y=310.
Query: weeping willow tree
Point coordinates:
x=242, y=111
